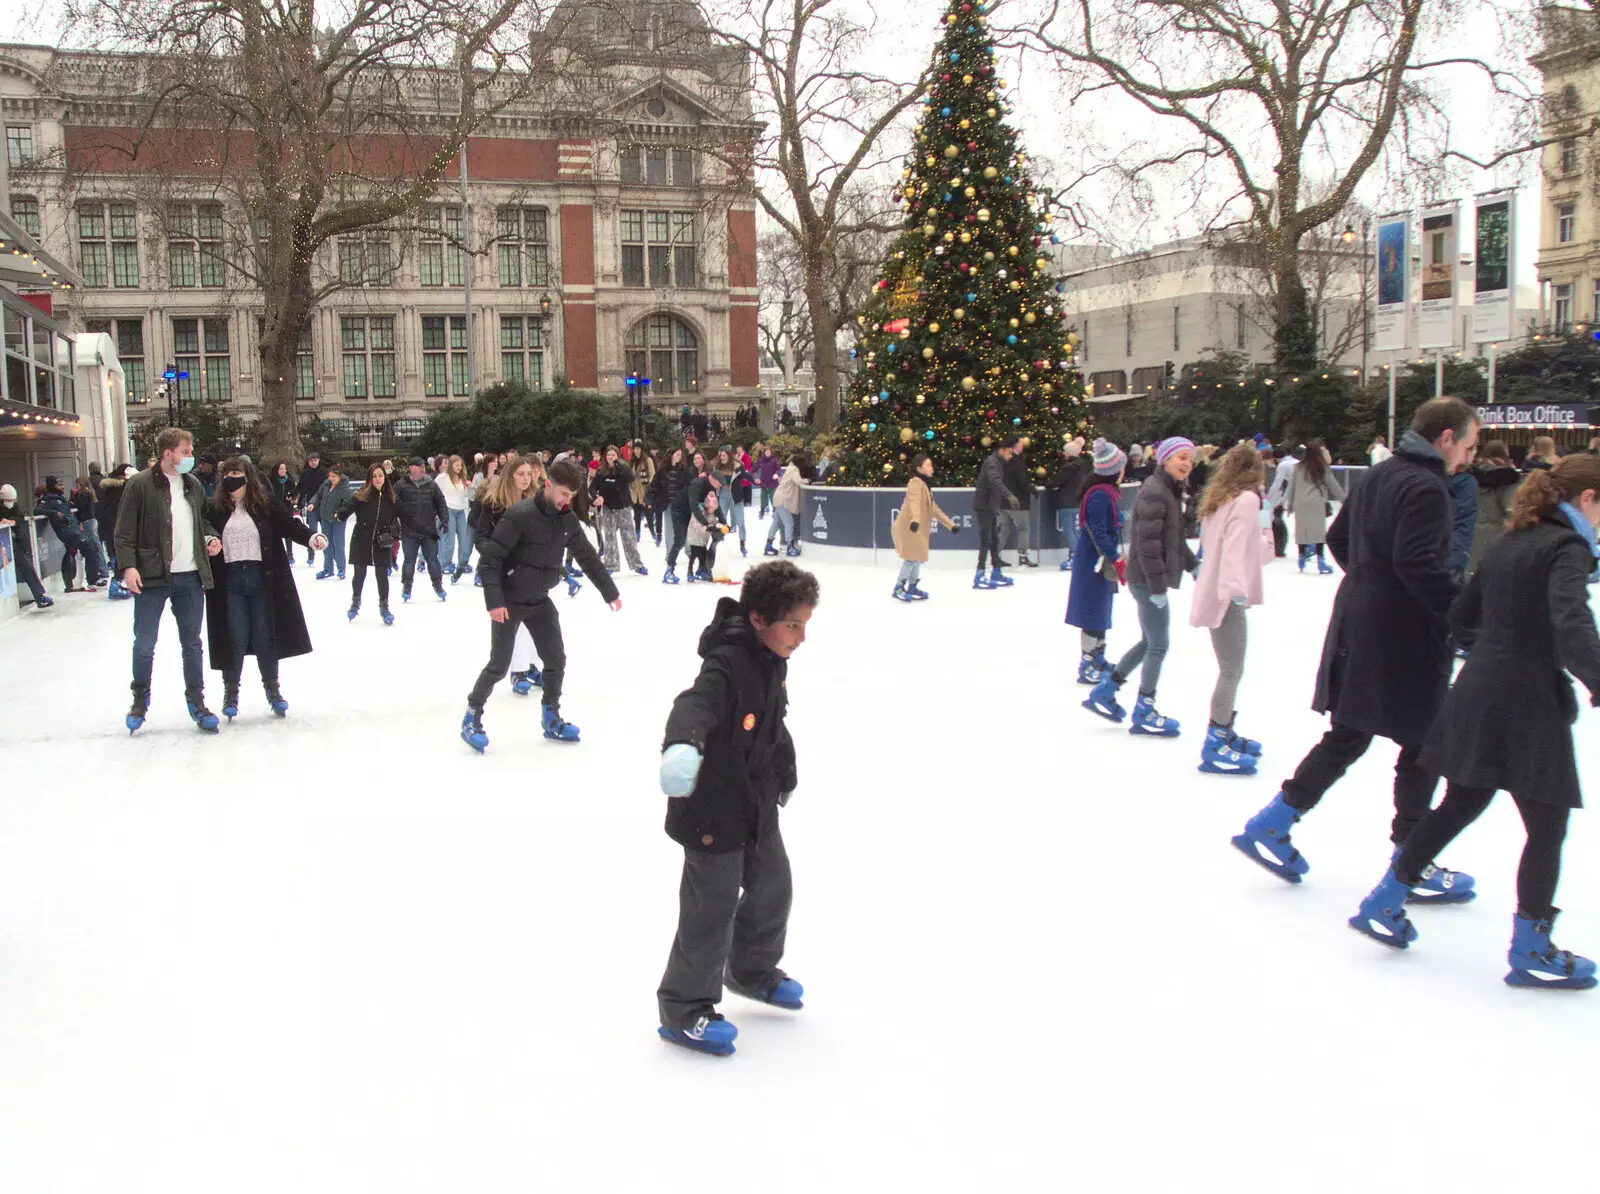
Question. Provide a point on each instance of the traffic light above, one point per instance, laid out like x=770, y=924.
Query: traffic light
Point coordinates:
x=1169, y=377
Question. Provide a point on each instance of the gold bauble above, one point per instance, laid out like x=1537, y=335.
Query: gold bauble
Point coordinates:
x=863, y=427
x=1072, y=339
x=986, y=441
x=966, y=238
x=1041, y=265
x=1016, y=286
x=1040, y=473
x=932, y=161
x=921, y=398
x=952, y=151
x=991, y=113
x=983, y=215
x=906, y=173
x=905, y=435
x=927, y=354
x=989, y=96
x=960, y=313
x=967, y=79
x=1028, y=318
x=990, y=172
x=1024, y=377
x=969, y=383
x=966, y=124
x=1016, y=323
x=949, y=238
x=988, y=255
x=1046, y=388
x=971, y=192
x=933, y=329
x=888, y=468
x=1013, y=250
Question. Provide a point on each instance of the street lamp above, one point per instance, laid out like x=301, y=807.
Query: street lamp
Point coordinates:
x=1349, y=236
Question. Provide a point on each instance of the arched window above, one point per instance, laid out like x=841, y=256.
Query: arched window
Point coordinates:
x=664, y=349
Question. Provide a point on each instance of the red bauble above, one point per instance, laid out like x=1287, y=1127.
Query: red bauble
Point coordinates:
x=944, y=78
x=972, y=146
x=991, y=414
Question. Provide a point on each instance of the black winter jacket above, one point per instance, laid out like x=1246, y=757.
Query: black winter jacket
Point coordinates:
x=421, y=507
x=1070, y=481
x=375, y=517
x=1158, y=555
x=1387, y=657
x=1018, y=483
x=669, y=483
x=311, y=480
x=990, y=496
x=615, y=488
x=734, y=716
x=524, y=558
x=1525, y=615
x=106, y=506
x=58, y=510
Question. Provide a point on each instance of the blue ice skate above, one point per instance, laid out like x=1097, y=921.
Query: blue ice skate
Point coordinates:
x=642, y=570
x=1382, y=914
x=793, y=550
x=1437, y=885
x=705, y=575
x=1265, y=841
x=352, y=612
x=768, y=550
x=900, y=593
x=981, y=581
x=916, y=592
x=556, y=729
x=230, y=701
x=1147, y=721
x=1092, y=668
x=1245, y=746
x=202, y=717
x=441, y=594
x=572, y=586
x=999, y=580
x=1103, y=699
x=275, y=701
x=388, y=618
x=709, y=1034
x=785, y=993
x=1536, y=962
x=136, y=714
x=522, y=683
x=472, y=730
x=670, y=576
x=118, y=591
x=1218, y=756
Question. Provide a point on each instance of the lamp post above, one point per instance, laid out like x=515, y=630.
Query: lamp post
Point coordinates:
x=1349, y=237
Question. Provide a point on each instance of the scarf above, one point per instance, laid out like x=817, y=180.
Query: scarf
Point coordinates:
x=1581, y=525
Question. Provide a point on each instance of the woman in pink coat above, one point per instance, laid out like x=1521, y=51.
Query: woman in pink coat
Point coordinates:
x=1231, y=557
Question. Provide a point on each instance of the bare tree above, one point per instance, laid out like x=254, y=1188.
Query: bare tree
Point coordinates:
x=828, y=125
x=315, y=134
x=1270, y=98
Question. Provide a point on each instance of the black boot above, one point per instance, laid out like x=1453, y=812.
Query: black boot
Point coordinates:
x=230, y=696
x=203, y=717
x=275, y=697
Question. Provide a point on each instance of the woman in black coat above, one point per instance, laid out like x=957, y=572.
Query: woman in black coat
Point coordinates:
x=1506, y=725
x=253, y=607
x=372, y=542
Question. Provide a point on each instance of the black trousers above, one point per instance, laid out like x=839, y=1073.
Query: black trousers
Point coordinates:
x=988, y=538
x=1330, y=758
x=358, y=581
x=1280, y=533
x=680, y=535
x=720, y=928
x=1540, y=869
x=544, y=627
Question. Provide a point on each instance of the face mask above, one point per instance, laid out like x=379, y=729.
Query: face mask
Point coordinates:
x=233, y=484
x=185, y=464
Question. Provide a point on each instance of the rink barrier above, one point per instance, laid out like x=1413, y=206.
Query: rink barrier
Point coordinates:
x=855, y=525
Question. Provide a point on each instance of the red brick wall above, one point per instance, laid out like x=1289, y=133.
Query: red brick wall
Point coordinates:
x=580, y=343
x=741, y=249
x=743, y=345
x=577, y=244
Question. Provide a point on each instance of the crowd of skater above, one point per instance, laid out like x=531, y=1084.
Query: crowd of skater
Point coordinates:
x=1494, y=572
x=1422, y=585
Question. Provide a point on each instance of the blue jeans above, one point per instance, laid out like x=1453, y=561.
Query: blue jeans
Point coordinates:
x=250, y=621
x=333, y=557
x=430, y=556
x=1067, y=524
x=91, y=528
x=1151, y=650
x=457, y=543
x=188, y=599
x=736, y=519
x=782, y=523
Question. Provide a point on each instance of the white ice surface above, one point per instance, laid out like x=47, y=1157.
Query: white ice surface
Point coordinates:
x=343, y=953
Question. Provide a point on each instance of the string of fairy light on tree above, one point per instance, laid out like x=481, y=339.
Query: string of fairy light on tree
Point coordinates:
x=965, y=341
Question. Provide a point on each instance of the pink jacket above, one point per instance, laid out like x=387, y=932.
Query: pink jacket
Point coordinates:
x=1232, y=553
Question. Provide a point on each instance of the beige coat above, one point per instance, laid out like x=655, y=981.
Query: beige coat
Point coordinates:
x=789, y=492
x=917, y=507
x=644, y=472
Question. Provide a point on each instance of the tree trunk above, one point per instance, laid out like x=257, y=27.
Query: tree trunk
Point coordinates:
x=1294, y=337
x=825, y=350
x=278, y=433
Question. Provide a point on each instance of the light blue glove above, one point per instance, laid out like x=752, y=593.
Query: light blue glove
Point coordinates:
x=680, y=767
x=1159, y=600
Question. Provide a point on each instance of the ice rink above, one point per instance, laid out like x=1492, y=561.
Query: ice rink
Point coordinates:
x=343, y=953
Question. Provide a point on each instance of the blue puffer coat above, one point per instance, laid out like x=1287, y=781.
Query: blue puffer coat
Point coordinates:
x=1091, y=596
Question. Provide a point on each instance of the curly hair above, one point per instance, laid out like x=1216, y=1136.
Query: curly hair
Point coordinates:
x=1239, y=470
x=775, y=590
x=1545, y=490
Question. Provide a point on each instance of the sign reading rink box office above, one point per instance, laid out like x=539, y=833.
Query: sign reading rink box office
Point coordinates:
x=864, y=518
x=1537, y=414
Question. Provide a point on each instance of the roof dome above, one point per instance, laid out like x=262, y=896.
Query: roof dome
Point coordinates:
x=674, y=28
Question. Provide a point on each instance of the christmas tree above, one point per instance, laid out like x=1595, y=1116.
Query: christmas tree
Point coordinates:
x=964, y=343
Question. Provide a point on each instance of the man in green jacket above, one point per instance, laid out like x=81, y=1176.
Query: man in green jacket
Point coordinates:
x=164, y=552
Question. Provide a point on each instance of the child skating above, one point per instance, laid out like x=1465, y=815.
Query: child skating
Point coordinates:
x=521, y=562
x=1157, y=559
x=728, y=766
x=706, y=530
x=1232, y=556
x=1097, y=561
x=913, y=527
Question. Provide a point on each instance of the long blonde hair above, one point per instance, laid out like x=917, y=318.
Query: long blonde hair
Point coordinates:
x=501, y=489
x=1239, y=471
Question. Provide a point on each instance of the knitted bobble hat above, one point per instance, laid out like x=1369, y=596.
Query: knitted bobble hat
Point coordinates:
x=1108, y=458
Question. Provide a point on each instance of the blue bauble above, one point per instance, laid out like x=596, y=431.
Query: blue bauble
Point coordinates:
x=891, y=348
x=1012, y=339
x=954, y=57
x=972, y=298
x=874, y=426
x=944, y=111
x=883, y=395
x=1016, y=422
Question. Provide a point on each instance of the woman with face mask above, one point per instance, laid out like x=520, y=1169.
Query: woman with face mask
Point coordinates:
x=253, y=607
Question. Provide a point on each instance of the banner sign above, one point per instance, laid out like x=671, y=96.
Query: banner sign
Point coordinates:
x=864, y=518
x=1544, y=414
x=1392, y=323
x=1492, y=290
x=1436, y=320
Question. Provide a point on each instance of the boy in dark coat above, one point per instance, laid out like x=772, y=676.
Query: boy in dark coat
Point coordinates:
x=989, y=497
x=521, y=562
x=727, y=766
x=1386, y=658
x=1506, y=724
